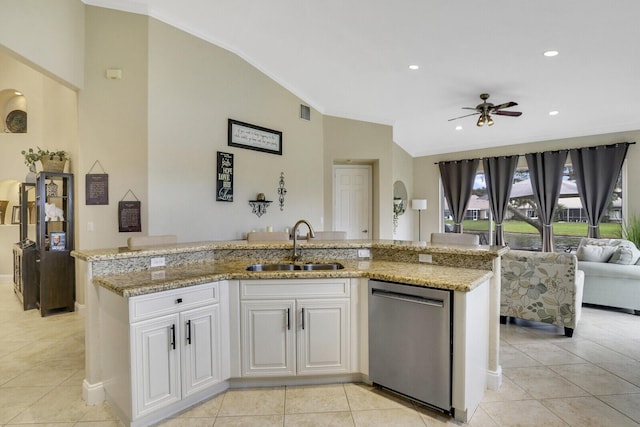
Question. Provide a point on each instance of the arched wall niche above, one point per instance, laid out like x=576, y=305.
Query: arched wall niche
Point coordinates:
x=13, y=111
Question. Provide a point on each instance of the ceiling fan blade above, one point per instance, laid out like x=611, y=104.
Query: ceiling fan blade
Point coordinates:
x=469, y=108
x=505, y=105
x=466, y=115
x=508, y=113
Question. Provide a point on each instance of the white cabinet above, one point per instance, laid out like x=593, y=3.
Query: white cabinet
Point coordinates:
x=163, y=351
x=201, y=357
x=178, y=354
x=156, y=363
x=291, y=327
x=268, y=340
x=323, y=341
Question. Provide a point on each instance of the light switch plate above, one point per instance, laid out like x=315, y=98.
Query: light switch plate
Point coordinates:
x=425, y=258
x=364, y=253
x=158, y=262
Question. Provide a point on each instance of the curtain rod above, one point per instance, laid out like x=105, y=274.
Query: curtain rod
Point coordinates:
x=553, y=151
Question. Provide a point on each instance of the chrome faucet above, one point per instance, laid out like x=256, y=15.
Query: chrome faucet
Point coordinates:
x=294, y=231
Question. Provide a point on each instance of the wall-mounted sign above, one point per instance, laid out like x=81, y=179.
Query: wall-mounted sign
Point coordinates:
x=224, y=177
x=129, y=216
x=97, y=189
x=254, y=137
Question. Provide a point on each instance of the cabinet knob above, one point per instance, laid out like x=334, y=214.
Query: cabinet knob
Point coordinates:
x=179, y=300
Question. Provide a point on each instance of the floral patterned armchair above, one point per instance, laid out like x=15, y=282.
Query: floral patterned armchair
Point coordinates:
x=543, y=287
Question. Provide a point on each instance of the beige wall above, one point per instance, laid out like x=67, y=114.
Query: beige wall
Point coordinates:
x=113, y=122
x=194, y=88
x=48, y=35
x=403, y=171
x=361, y=143
x=427, y=176
x=52, y=123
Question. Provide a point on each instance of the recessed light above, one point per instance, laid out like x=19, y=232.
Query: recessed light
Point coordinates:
x=458, y=127
x=550, y=53
x=554, y=113
x=414, y=67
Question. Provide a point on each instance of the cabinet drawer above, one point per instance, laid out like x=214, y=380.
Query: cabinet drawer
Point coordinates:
x=294, y=288
x=167, y=302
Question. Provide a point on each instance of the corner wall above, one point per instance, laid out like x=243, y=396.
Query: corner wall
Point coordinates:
x=361, y=143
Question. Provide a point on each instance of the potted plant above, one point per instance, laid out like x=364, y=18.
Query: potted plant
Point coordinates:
x=52, y=161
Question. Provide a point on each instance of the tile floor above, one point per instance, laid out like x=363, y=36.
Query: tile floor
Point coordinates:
x=592, y=379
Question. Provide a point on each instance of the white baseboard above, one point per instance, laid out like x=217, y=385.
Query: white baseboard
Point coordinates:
x=81, y=309
x=92, y=394
x=494, y=379
x=6, y=278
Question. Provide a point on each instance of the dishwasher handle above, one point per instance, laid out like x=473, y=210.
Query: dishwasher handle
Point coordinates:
x=407, y=298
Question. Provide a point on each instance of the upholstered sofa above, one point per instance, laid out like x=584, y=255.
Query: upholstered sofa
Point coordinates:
x=542, y=287
x=612, y=273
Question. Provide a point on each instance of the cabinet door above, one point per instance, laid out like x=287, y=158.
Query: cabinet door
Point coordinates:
x=268, y=338
x=323, y=336
x=156, y=368
x=201, y=344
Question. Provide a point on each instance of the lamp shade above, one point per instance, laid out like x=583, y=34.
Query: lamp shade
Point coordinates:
x=419, y=204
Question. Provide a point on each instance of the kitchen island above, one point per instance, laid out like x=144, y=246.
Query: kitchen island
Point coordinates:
x=116, y=277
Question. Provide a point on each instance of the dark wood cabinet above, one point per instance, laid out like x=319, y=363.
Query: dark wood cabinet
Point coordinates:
x=54, y=242
x=26, y=284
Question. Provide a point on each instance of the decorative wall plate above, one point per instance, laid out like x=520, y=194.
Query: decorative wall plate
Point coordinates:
x=17, y=121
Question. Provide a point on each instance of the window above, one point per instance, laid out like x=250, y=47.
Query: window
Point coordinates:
x=522, y=227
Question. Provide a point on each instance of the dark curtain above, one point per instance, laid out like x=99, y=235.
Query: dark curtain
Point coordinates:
x=597, y=170
x=545, y=172
x=457, y=181
x=498, y=174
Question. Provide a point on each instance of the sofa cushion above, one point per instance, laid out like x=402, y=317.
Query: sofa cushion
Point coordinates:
x=595, y=253
x=607, y=270
x=618, y=257
x=625, y=255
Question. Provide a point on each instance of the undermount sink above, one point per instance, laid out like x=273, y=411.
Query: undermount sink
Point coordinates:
x=273, y=267
x=295, y=267
x=323, y=266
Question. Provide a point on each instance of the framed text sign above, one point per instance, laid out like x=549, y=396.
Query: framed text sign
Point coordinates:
x=129, y=216
x=224, y=177
x=97, y=189
x=253, y=137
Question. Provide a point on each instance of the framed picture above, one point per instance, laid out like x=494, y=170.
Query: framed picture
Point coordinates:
x=224, y=179
x=57, y=241
x=129, y=216
x=97, y=189
x=244, y=135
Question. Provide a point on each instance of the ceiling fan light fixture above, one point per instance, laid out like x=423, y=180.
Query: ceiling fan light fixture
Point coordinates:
x=480, y=122
x=489, y=121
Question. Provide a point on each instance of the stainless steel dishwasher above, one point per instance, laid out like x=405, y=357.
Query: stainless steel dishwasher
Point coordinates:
x=410, y=341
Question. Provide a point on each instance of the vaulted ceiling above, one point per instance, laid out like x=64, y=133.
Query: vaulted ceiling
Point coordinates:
x=351, y=59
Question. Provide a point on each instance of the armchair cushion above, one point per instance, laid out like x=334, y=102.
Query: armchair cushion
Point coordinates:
x=541, y=286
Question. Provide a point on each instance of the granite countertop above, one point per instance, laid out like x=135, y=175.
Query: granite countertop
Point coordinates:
x=123, y=252
x=156, y=280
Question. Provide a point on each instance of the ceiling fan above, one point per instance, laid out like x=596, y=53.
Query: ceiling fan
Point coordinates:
x=486, y=109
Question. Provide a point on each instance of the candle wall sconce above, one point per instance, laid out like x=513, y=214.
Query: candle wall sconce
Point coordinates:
x=260, y=205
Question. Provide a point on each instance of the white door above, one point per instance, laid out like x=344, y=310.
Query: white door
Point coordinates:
x=157, y=363
x=268, y=333
x=352, y=209
x=323, y=336
x=201, y=341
